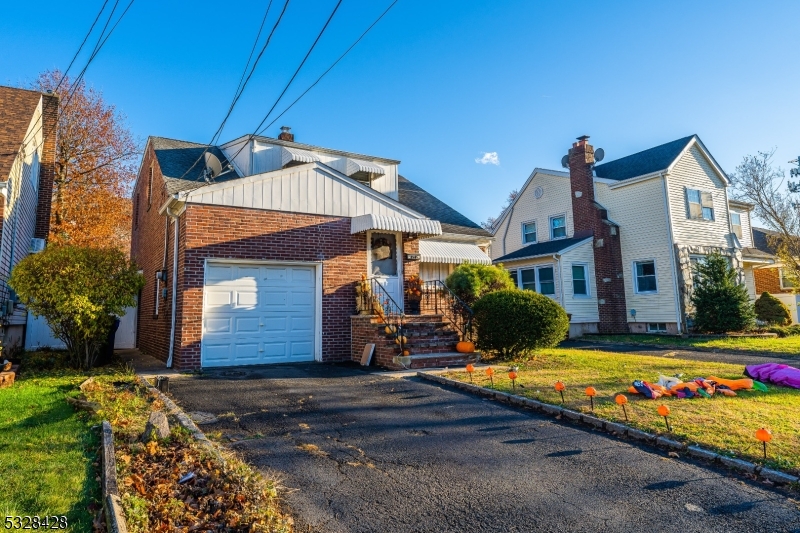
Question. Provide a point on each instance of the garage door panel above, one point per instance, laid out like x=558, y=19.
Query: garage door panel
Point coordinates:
x=256, y=314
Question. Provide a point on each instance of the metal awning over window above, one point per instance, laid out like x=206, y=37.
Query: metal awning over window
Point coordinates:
x=295, y=154
x=422, y=226
x=357, y=165
x=452, y=253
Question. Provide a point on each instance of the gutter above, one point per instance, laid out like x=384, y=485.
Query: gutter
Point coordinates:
x=176, y=221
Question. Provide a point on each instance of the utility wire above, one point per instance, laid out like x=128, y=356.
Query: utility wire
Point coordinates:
x=329, y=68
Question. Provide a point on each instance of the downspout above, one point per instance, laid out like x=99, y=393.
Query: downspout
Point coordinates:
x=176, y=222
x=672, y=256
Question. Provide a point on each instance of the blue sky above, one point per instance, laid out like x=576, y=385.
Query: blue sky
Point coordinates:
x=439, y=83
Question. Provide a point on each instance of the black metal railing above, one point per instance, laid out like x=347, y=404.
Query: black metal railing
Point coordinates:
x=378, y=302
x=438, y=298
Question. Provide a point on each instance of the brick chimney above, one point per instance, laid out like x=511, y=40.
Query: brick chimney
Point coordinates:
x=286, y=134
x=591, y=219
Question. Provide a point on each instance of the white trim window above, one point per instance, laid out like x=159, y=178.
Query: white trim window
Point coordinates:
x=580, y=280
x=645, y=276
x=786, y=284
x=656, y=327
x=529, y=232
x=558, y=227
x=701, y=204
x=736, y=224
x=539, y=279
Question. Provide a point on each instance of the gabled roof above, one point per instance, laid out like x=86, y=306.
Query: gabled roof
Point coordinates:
x=543, y=248
x=644, y=162
x=176, y=159
x=16, y=112
x=422, y=201
x=652, y=160
x=510, y=207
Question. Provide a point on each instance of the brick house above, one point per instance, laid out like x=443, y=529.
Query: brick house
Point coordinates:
x=252, y=250
x=27, y=167
x=769, y=278
x=614, y=242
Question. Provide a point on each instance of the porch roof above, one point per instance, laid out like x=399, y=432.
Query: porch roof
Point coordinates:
x=451, y=253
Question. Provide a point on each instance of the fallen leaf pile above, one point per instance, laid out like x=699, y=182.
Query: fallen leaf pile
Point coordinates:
x=214, y=499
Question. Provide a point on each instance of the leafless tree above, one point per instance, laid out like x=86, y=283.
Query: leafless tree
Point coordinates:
x=489, y=223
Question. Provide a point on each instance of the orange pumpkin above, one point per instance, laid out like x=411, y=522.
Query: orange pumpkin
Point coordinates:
x=406, y=353
x=560, y=386
x=591, y=391
x=621, y=399
x=465, y=347
x=490, y=371
x=663, y=410
x=764, y=435
x=470, y=368
x=512, y=375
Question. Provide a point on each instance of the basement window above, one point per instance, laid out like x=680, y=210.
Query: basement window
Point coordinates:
x=656, y=327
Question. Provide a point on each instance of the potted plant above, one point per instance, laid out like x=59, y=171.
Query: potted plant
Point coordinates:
x=414, y=293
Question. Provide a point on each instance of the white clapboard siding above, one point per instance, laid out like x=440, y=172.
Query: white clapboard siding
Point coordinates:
x=541, y=261
x=694, y=171
x=435, y=271
x=19, y=216
x=750, y=281
x=640, y=210
x=555, y=200
x=309, y=188
x=582, y=308
x=39, y=335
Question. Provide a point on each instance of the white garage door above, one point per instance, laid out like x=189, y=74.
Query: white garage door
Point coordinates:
x=256, y=314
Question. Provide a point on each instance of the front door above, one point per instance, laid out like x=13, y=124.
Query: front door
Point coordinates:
x=385, y=265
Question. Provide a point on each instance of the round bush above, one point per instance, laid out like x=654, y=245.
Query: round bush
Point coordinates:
x=471, y=281
x=511, y=322
x=772, y=311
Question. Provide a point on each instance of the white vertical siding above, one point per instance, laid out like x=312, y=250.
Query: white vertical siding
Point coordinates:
x=582, y=308
x=640, y=211
x=556, y=200
x=750, y=281
x=301, y=189
x=747, y=232
x=693, y=171
x=435, y=271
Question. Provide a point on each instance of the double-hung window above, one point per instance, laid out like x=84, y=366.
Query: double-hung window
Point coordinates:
x=580, y=282
x=736, y=224
x=645, y=274
x=786, y=283
x=701, y=204
x=529, y=232
x=539, y=279
x=558, y=227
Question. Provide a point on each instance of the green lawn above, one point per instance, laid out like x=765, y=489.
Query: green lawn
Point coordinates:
x=47, y=451
x=727, y=425
x=785, y=346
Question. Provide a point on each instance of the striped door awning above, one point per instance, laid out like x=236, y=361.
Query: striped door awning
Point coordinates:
x=452, y=253
x=422, y=226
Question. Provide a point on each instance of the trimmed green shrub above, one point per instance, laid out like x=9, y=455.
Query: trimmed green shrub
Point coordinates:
x=772, y=311
x=78, y=291
x=510, y=322
x=780, y=331
x=721, y=303
x=470, y=281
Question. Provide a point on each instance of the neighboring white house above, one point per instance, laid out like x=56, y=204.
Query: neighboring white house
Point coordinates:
x=669, y=206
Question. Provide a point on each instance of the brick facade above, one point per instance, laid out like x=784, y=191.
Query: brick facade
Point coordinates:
x=590, y=219
x=147, y=251
x=768, y=280
x=47, y=166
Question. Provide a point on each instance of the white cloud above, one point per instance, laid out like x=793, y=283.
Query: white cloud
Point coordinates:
x=488, y=158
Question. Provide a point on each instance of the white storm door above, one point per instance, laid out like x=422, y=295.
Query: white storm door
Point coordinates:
x=258, y=314
x=385, y=264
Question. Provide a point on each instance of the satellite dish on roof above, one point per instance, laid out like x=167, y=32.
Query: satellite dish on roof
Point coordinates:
x=565, y=161
x=213, y=166
x=599, y=154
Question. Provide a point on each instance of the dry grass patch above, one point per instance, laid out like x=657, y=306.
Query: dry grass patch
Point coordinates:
x=725, y=424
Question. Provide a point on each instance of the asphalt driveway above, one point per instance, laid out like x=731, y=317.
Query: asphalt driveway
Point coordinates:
x=368, y=452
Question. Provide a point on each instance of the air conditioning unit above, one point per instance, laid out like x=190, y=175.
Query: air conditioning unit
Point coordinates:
x=37, y=245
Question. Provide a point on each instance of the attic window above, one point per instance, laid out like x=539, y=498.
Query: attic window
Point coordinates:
x=701, y=204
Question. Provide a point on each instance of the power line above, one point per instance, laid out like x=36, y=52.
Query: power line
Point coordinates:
x=329, y=68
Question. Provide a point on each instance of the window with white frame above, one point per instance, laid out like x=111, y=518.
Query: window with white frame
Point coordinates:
x=786, y=283
x=538, y=279
x=528, y=232
x=701, y=204
x=736, y=224
x=558, y=227
x=645, y=274
x=580, y=280
x=656, y=327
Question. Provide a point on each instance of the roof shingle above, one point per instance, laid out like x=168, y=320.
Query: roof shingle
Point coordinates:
x=176, y=159
x=644, y=162
x=542, y=248
x=16, y=112
x=421, y=201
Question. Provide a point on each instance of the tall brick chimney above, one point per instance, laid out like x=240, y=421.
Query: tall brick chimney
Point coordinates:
x=590, y=218
x=286, y=134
